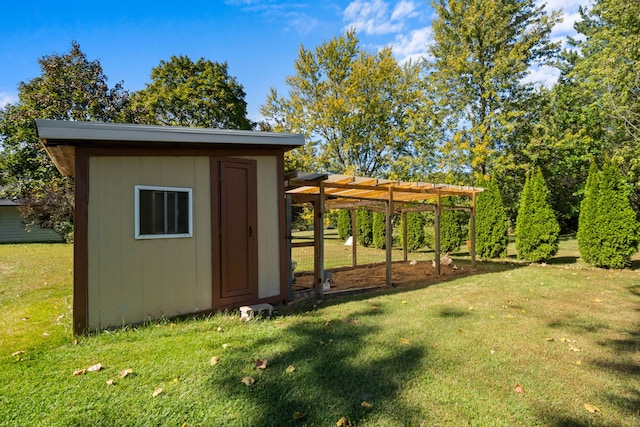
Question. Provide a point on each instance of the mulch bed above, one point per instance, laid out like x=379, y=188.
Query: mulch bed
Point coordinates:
x=403, y=274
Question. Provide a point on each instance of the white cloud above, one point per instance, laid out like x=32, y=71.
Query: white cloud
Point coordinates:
x=7, y=98
x=370, y=17
x=544, y=75
x=404, y=9
x=414, y=46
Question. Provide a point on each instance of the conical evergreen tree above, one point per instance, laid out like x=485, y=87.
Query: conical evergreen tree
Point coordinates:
x=344, y=224
x=492, y=223
x=415, y=231
x=617, y=227
x=451, y=231
x=364, y=221
x=537, y=228
x=587, y=222
x=379, y=230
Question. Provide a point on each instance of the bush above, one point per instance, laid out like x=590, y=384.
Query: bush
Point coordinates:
x=415, y=231
x=616, y=225
x=379, y=230
x=492, y=224
x=537, y=229
x=344, y=224
x=364, y=224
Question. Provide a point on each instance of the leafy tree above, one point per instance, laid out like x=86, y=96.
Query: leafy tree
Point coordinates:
x=482, y=51
x=193, y=94
x=361, y=113
x=379, y=230
x=415, y=224
x=617, y=227
x=364, y=222
x=588, y=222
x=70, y=88
x=492, y=224
x=344, y=224
x=537, y=229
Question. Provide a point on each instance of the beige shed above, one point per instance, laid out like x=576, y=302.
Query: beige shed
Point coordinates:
x=172, y=221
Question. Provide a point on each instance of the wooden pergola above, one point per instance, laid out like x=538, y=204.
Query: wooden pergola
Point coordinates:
x=325, y=191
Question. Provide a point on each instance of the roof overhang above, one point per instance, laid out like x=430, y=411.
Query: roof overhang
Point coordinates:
x=60, y=138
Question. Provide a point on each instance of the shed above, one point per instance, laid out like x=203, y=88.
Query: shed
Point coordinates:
x=15, y=229
x=172, y=221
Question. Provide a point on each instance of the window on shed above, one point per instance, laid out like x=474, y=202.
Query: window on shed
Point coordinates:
x=163, y=212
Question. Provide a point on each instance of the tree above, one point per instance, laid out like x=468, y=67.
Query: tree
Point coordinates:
x=588, y=221
x=361, y=113
x=482, y=51
x=379, y=230
x=193, y=94
x=344, y=224
x=364, y=223
x=604, y=70
x=415, y=224
x=492, y=224
x=70, y=88
x=537, y=229
x=617, y=227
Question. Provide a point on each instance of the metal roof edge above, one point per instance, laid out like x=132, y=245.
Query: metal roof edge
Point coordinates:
x=70, y=130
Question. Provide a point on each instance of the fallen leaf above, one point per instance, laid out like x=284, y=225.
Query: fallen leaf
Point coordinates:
x=225, y=345
x=344, y=422
x=110, y=382
x=156, y=392
x=578, y=362
x=219, y=329
x=404, y=341
x=17, y=353
x=24, y=319
x=95, y=368
x=404, y=302
x=549, y=339
x=572, y=348
x=591, y=408
x=79, y=372
x=214, y=360
x=175, y=381
x=290, y=369
x=518, y=388
x=565, y=339
x=597, y=300
x=261, y=364
x=126, y=372
x=248, y=381
x=298, y=415
x=46, y=334
x=366, y=404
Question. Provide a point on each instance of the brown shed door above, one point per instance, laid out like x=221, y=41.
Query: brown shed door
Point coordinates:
x=235, y=244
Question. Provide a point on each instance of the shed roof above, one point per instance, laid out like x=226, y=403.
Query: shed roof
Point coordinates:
x=60, y=138
x=339, y=187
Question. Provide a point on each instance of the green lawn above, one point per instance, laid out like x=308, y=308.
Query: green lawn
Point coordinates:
x=456, y=353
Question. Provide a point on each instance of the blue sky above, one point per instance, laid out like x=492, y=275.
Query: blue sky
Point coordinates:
x=259, y=39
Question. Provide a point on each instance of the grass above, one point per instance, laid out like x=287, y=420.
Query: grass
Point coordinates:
x=446, y=354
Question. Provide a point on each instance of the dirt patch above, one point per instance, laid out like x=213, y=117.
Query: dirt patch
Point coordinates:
x=403, y=274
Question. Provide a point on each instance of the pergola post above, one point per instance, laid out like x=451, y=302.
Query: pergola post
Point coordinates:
x=472, y=231
x=389, y=234
x=437, y=234
x=404, y=236
x=318, y=235
x=354, y=239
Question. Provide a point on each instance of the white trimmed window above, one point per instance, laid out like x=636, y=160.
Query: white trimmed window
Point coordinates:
x=163, y=212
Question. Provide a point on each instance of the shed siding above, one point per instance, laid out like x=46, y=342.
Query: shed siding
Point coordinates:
x=14, y=230
x=133, y=280
x=268, y=227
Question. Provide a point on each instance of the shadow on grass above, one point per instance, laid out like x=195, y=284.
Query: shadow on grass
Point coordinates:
x=338, y=366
